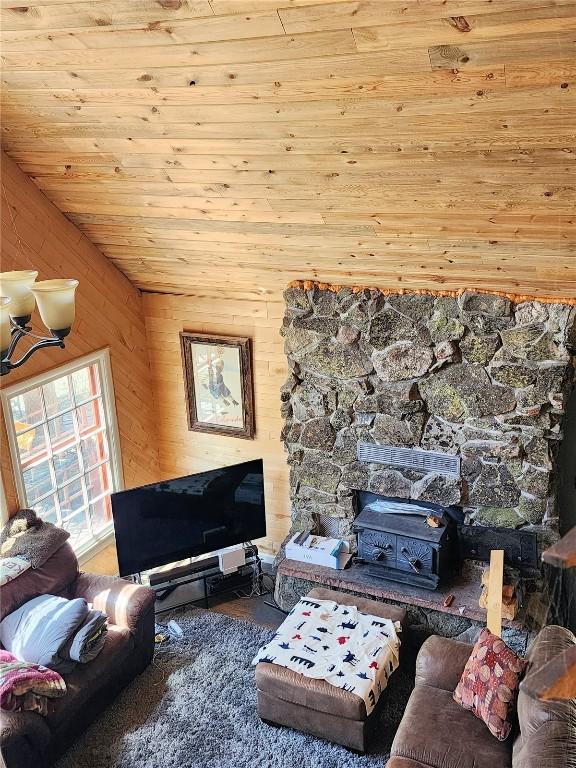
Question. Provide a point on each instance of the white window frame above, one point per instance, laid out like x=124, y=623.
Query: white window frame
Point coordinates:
x=102, y=361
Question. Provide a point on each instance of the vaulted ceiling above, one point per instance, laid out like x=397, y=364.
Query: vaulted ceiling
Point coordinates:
x=239, y=144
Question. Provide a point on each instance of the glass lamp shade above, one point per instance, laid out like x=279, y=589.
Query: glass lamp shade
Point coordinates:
x=55, y=299
x=16, y=286
x=5, y=334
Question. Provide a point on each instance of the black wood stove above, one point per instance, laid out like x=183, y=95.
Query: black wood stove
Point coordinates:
x=396, y=542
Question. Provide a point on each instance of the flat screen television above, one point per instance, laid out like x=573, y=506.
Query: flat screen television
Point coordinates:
x=188, y=516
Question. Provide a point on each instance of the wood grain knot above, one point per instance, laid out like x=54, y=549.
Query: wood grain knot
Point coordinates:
x=460, y=23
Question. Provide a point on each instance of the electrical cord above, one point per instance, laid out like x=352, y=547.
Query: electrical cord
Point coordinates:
x=256, y=589
x=272, y=602
x=258, y=586
x=257, y=578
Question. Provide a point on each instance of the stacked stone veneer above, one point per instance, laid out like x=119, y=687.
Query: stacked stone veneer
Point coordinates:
x=477, y=375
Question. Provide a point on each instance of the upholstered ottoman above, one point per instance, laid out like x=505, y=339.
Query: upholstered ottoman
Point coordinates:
x=315, y=706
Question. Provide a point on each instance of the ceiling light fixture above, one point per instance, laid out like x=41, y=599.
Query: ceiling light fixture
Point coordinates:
x=19, y=295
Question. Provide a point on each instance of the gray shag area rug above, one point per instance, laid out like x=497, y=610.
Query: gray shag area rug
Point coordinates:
x=195, y=706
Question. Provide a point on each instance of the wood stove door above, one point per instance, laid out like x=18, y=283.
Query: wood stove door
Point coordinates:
x=415, y=556
x=378, y=547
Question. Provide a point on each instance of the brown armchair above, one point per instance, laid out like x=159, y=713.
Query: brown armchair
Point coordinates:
x=28, y=740
x=435, y=732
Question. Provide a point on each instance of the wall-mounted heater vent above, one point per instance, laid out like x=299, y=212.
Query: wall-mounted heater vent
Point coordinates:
x=411, y=458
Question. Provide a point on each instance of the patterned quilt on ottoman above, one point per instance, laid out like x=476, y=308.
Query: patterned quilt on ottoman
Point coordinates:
x=337, y=643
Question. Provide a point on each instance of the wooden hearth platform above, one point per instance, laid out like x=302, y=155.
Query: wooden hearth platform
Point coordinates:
x=356, y=579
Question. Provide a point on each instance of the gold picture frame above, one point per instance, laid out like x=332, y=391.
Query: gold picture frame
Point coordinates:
x=218, y=384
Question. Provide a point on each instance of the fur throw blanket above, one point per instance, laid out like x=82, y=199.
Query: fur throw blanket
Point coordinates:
x=26, y=535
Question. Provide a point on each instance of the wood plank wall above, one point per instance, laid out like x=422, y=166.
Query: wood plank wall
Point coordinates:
x=182, y=452
x=221, y=148
x=34, y=234
x=405, y=143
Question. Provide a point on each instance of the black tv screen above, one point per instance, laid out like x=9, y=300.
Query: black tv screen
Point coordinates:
x=188, y=516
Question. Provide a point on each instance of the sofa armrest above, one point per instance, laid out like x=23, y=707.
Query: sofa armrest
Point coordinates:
x=126, y=604
x=24, y=740
x=441, y=661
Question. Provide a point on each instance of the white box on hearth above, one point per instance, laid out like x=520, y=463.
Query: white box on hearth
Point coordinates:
x=319, y=550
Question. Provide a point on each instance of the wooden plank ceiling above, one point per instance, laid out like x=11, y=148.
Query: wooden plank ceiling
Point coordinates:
x=234, y=145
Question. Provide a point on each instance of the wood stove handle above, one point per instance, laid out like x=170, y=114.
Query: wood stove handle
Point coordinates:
x=413, y=562
x=380, y=552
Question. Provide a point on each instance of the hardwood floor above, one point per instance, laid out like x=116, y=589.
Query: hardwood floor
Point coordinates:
x=253, y=609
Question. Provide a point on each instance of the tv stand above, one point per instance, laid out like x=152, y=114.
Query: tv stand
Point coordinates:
x=207, y=574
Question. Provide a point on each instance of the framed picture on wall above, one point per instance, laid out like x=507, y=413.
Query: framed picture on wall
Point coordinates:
x=218, y=384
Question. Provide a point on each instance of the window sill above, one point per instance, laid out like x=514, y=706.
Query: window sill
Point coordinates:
x=91, y=548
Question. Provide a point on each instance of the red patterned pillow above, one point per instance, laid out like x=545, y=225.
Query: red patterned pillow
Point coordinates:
x=489, y=684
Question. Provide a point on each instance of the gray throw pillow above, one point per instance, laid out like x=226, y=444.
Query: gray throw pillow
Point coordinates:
x=36, y=631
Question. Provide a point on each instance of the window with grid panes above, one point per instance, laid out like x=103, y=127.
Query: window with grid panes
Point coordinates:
x=63, y=439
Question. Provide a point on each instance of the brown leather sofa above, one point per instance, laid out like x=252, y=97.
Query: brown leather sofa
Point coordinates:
x=28, y=740
x=435, y=732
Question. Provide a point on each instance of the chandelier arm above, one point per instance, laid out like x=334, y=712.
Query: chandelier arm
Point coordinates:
x=17, y=334
x=8, y=365
x=26, y=330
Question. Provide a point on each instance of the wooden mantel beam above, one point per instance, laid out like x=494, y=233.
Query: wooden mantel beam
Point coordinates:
x=556, y=680
x=563, y=553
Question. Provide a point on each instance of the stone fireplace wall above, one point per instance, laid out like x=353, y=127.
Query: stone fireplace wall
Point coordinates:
x=477, y=375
